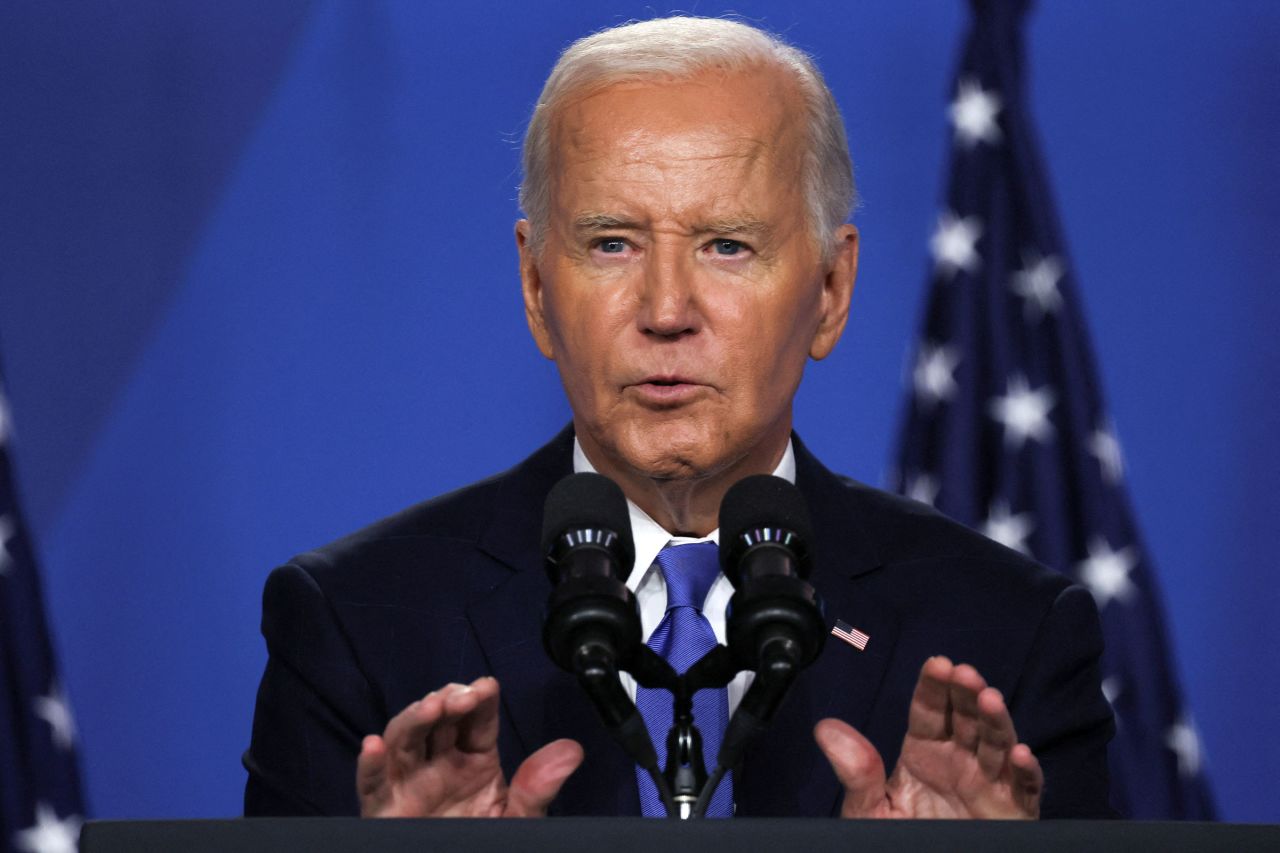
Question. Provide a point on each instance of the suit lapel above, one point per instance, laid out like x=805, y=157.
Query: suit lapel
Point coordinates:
x=785, y=773
x=541, y=703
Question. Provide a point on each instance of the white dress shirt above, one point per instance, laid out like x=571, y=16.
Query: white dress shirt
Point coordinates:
x=650, y=588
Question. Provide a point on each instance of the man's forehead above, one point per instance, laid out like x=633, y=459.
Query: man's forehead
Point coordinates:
x=593, y=206
x=699, y=143
x=745, y=114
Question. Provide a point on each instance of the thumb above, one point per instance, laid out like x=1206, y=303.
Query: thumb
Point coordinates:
x=539, y=777
x=857, y=765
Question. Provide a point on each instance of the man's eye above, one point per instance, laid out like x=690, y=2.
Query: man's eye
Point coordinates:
x=727, y=247
x=612, y=246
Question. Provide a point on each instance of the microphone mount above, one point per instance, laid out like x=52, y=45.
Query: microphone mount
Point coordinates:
x=592, y=628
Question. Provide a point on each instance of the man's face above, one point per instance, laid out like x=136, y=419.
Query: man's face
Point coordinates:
x=679, y=288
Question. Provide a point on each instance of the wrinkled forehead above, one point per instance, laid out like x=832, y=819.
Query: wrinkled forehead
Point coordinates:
x=742, y=125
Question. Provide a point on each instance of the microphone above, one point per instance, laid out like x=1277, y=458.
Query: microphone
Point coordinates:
x=586, y=538
x=775, y=617
x=775, y=623
x=592, y=627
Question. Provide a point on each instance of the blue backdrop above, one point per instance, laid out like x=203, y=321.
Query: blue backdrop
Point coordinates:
x=258, y=288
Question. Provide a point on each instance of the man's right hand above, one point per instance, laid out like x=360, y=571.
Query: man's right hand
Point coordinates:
x=439, y=758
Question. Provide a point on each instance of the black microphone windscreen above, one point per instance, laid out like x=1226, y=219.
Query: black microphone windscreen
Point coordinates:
x=761, y=501
x=590, y=501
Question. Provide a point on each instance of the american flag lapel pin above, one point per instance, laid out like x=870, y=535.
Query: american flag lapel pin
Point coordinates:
x=850, y=635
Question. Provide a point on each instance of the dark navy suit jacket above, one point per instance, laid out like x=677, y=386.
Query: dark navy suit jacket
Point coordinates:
x=454, y=588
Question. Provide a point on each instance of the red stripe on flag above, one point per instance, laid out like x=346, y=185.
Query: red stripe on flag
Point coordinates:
x=850, y=635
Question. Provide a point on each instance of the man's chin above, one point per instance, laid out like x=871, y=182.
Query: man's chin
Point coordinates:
x=673, y=471
x=664, y=455
x=668, y=449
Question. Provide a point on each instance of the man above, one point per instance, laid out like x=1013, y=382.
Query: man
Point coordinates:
x=685, y=253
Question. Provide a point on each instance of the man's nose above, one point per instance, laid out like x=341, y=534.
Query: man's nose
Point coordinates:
x=668, y=305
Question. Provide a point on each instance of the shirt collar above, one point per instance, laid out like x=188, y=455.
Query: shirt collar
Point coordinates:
x=649, y=536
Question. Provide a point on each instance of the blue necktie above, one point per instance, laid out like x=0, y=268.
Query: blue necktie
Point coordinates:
x=682, y=638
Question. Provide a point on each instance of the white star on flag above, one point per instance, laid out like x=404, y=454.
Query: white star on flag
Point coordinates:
x=923, y=488
x=1106, y=572
x=1104, y=445
x=1037, y=283
x=1024, y=412
x=1185, y=742
x=973, y=114
x=954, y=243
x=1009, y=530
x=55, y=711
x=7, y=530
x=934, y=373
x=49, y=835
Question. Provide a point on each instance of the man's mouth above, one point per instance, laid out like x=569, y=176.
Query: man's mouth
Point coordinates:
x=670, y=379
x=668, y=389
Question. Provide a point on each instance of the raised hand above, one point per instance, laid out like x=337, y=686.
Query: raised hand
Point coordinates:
x=960, y=758
x=439, y=758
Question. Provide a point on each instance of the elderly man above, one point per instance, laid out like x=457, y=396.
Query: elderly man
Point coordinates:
x=686, y=251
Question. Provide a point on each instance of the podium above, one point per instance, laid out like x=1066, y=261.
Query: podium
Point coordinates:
x=638, y=835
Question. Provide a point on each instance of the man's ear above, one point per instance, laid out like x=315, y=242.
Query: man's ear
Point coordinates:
x=837, y=290
x=532, y=287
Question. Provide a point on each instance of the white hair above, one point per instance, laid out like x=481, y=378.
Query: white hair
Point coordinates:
x=678, y=48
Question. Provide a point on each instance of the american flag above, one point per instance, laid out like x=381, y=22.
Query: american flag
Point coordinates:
x=850, y=635
x=40, y=801
x=1006, y=429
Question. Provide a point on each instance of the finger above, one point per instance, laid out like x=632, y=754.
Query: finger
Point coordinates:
x=470, y=719
x=406, y=734
x=1028, y=780
x=540, y=776
x=962, y=693
x=372, y=784
x=857, y=765
x=454, y=703
x=996, y=735
x=478, y=730
x=929, y=716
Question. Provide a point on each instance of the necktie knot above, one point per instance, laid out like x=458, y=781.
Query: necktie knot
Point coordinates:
x=689, y=571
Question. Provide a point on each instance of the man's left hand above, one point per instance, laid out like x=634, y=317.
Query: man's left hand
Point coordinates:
x=960, y=759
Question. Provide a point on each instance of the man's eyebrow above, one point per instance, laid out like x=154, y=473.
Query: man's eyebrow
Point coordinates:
x=747, y=225
x=603, y=222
